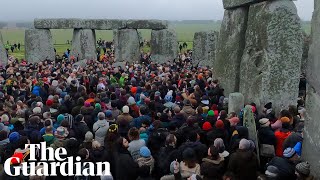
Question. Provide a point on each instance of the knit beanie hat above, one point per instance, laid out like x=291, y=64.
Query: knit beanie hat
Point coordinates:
x=219, y=124
x=272, y=172
x=268, y=105
x=264, y=122
x=97, y=106
x=14, y=137
x=60, y=118
x=211, y=113
x=49, y=102
x=145, y=152
x=303, y=168
x=285, y=120
x=234, y=121
x=244, y=144
x=87, y=104
x=36, y=110
x=206, y=126
x=289, y=152
x=131, y=101
x=108, y=113
x=125, y=109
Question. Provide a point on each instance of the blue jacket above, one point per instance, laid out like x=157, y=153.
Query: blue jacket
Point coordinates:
x=137, y=122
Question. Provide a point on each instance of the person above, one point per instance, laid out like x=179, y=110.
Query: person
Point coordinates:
x=244, y=163
x=126, y=167
x=267, y=141
x=100, y=128
x=136, y=143
x=281, y=135
x=146, y=159
x=303, y=171
x=19, y=46
x=212, y=167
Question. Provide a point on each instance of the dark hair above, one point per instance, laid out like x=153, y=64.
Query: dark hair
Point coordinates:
x=144, y=110
x=65, y=123
x=285, y=113
x=189, y=157
x=47, y=123
x=133, y=133
x=83, y=153
x=22, y=142
x=3, y=135
x=214, y=152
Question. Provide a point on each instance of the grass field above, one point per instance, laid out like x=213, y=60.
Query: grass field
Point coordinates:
x=185, y=33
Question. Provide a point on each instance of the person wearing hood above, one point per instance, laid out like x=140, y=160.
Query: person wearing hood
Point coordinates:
x=133, y=106
x=100, y=128
x=146, y=158
x=61, y=135
x=178, y=119
x=87, y=111
x=187, y=109
x=48, y=137
x=168, y=99
x=244, y=163
x=212, y=166
x=60, y=118
x=80, y=127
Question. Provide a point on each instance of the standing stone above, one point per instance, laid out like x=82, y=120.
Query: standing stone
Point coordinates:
x=270, y=66
x=126, y=45
x=231, y=4
x=38, y=45
x=164, y=45
x=84, y=44
x=230, y=48
x=3, y=52
x=204, y=48
x=1, y=39
x=147, y=24
x=236, y=102
x=250, y=123
x=311, y=142
x=306, y=45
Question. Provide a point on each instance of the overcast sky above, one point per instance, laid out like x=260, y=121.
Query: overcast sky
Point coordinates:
x=124, y=9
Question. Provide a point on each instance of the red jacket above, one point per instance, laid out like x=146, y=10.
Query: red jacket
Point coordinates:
x=280, y=136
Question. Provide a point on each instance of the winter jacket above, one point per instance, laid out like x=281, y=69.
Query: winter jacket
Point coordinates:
x=80, y=130
x=137, y=122
x=244, y=164
x=212, y=169
x=146, y=161
x=100, y=129
x=126, y=167
x=134, y=148
x=188, y=111
x=87, y=113
x=165, y=156
x=266, y=136
x=49, y=139
x=286, y=168
x=124, y=117
x=292, y=140
x=178, y=119
x=200, y=149
x=281, y=136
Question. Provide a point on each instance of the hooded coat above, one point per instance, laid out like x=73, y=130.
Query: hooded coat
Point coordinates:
x=100, y=129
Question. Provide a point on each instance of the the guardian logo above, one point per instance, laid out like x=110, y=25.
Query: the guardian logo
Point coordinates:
x=49, y=165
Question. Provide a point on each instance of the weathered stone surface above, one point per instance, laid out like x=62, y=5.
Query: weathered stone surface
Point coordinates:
x=81, y=63
x=270, y=66
x=58, y=23
x=1, y=39
x=126, y=45
x=84, y=44
x=204, y=48
x=229, y=4
x=250, y=123
x=38, y=45
x=3, y=55
x=99, y=24
x=103, y=24
x=147, y=24
x=311, y=142
x=306, y=46
x=230, y=47
x=164, y=45
x=236, y=102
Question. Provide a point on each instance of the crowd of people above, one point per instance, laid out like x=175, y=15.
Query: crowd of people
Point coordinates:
x=148, y=120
